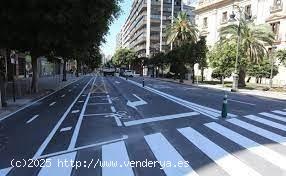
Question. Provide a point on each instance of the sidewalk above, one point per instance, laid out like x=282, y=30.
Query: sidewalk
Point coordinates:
x=268, y=94
x=47, y=85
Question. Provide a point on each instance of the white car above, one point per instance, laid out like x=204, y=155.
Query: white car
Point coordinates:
x=129, y=73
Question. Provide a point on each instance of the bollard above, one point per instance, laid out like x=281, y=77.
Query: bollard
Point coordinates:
x=143, y=82
x=224, y=107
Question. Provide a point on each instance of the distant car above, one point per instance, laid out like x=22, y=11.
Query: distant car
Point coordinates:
x=129, y=73
x=108, y=71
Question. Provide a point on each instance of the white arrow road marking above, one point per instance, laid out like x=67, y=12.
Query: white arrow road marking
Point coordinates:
x=117, y=82
x=70, y=90
x=5, y=171
x=81, y=101
x=53, y=103
x=63, y=95
x=33, y=118
x=136, y=103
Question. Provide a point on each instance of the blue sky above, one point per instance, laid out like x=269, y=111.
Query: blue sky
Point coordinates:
x=108, y=48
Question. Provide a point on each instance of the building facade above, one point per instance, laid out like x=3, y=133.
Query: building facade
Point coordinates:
x=211, y=15
x=144, y=29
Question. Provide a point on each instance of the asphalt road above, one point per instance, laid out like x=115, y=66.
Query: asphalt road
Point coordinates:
x=113, y=126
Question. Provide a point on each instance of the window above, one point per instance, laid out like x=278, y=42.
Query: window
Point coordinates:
x=224, y=17
x=275, y=27
x=248, y=12
x=277, y=2
x=205, y=22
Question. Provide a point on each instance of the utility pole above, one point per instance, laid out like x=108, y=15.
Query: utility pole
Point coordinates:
x=173, y=4
x=272, y=66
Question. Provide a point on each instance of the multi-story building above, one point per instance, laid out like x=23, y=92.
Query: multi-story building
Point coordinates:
x=211, y=15
x=119, y=40
x=144, y=29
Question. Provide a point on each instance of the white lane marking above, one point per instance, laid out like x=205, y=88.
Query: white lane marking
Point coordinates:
x=117, y=82
x=266, y=122
x=4, y=172
x=33, y=118
x=134, y=104
x=53, y=132
x=254, y=147
x=70, y=90
x=280, y=112
x=92, y=104
x=260, y=131
x=63, y=95
x=232, y=165
x=118, y=121
x=116, y=152
x=57, y=165
x=164, y=151
x=52, y=104
x=242, y=102
x=113, y=109
x=75, y=111
x=273, y=116
x=209, y=112
x=84, y=95
x=81, y=101
x=109, y=100
x=161, y=118
x=102, y=114
x=79, y=122
x=65, y=129
x=9, y=115
x=83, y=147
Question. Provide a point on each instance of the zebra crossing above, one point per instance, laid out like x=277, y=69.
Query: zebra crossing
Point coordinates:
x=208, y=139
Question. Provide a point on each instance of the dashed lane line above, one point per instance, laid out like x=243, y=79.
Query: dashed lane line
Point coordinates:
x=28, y=105
x=75, y=111
x=53, y=103
x=52, y=133
x=65, y=129
x=33, y=118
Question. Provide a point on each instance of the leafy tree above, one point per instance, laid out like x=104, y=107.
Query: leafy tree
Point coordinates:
x=252, y=43
x=202, y=50
x=262, y=70
x=123, y=57
x=222, y=59
x=281, y=55
x=54, y=26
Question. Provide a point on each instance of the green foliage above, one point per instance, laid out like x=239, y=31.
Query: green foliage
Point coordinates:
x=252, y=40
x=123, y=57
x=281, y=55
x=262, y=70
x=181, y=31
x=222, y=59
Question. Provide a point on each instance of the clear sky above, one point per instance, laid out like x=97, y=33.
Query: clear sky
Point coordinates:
x=108, y=48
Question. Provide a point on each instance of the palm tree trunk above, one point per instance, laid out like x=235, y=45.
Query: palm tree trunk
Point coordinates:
x=241, y=79
x=35, y=78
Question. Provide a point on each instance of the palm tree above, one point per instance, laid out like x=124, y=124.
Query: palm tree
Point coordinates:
x=253, y=39
x=281, y=55
x=181, y=31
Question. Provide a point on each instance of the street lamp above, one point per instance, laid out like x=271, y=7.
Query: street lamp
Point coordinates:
x=272, y=65
x=233, y=19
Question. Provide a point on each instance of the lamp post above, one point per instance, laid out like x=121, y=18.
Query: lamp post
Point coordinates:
x=272, y=65
x=233, y=18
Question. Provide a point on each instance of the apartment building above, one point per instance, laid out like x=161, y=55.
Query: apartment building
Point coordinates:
x=211, y=15
x=144, y=29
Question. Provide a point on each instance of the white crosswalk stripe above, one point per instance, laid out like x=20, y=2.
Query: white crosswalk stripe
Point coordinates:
x=164, y=151
x=56, y=165
x=4, y=172
x=116, y=152
x=267, y=122
x=280, y=112
x=232, y=165
x=254, y=147
x=260, y=131
x=273, y=116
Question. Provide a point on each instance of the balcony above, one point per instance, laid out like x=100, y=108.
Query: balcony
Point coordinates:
x=276, y=8
x=278, y=38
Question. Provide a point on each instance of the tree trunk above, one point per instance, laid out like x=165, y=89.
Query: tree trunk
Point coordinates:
x=248, y=80
x=202, y=75
x=35, y=78
x=193, y=74
x=3, y=90
x=241, y=80
x=78, y=68
x=64, y=71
